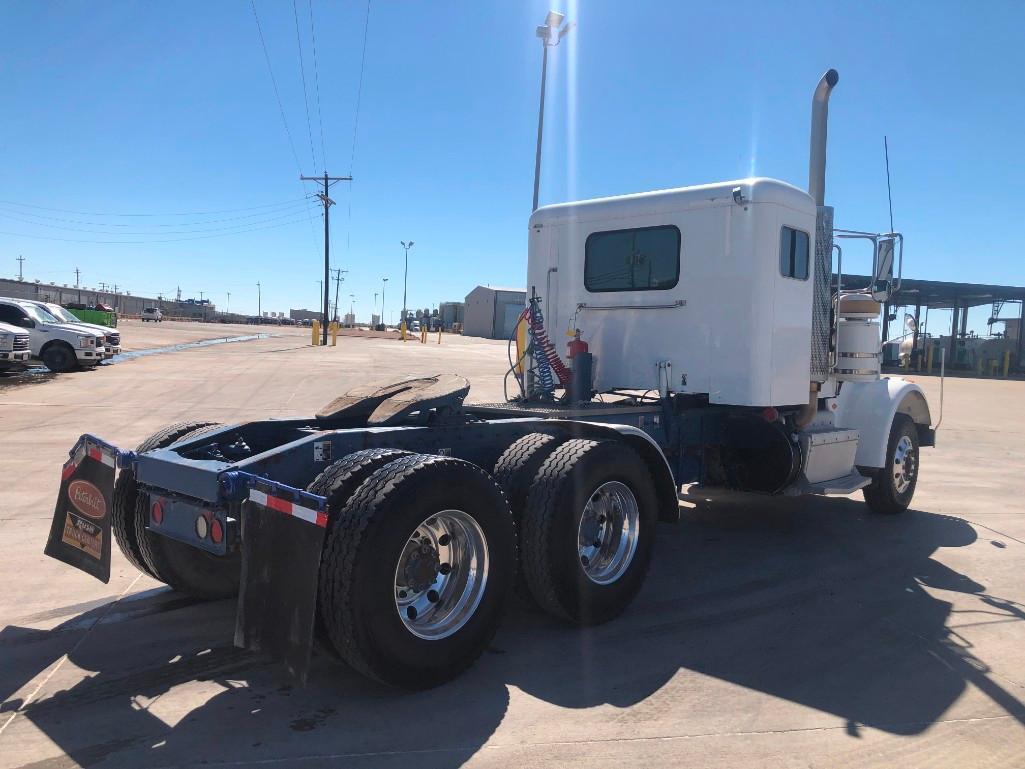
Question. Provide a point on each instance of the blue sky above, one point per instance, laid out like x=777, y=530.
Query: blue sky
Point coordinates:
x=139, y=107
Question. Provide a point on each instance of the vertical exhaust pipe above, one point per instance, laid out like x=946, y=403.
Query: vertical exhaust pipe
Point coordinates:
x=819, y=121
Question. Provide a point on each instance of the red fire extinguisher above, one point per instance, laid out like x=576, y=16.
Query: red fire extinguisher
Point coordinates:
x=576, y=345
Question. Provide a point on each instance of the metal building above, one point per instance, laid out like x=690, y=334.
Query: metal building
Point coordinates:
x=451, y=313
x=492, y=312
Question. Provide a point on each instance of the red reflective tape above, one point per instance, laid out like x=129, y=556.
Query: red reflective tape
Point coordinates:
x=281, y=505
x=68, y=471
x=95, y=453
x=322, y=519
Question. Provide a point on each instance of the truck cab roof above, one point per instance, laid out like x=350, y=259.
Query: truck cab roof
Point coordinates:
x=756, y=189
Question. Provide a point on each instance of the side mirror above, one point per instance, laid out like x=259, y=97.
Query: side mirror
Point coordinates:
x=910, y=323
x=26, y=323
x=882, y=272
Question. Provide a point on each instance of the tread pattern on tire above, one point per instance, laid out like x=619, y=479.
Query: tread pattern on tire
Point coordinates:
x=514, y=473
x=342, y=551
x=555, y=504
x=338, y=482
x=541, y=507
x=123, y=507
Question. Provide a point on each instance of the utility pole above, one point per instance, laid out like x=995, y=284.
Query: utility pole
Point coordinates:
x=338, y=280
x=227, y=305
x=327, y=182
x=178, y=295
x=21, y=263
x=258, y=313
x=384, y=285
x=76, y=278
x=373, y=310
x=352, y=307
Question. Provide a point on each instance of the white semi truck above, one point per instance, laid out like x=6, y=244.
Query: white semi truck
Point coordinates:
x=713, y=343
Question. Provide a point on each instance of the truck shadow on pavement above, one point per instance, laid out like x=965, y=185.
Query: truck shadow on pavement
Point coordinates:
x=814, y=601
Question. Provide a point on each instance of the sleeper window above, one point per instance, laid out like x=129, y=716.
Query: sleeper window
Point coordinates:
x=642, y=259
x=793, y=254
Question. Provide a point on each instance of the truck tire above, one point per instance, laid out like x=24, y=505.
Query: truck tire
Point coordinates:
x=588, y=530
x=338, y=482
x=59, y=357
x=514, y=473
x=184, y=568
x=122, y=515
x=421, y=562
x=893, y=486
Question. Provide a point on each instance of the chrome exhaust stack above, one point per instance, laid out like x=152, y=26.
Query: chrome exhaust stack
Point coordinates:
x=819, y=121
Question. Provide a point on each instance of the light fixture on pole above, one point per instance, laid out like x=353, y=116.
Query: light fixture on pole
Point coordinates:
x=550, y=35
x=405, y=278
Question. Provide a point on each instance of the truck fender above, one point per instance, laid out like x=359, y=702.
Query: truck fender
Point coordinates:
x=870, y=407
x=666, y=490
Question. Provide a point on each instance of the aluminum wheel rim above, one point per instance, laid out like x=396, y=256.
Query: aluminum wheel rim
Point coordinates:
x=608, y=531
x=905, y=464
x=441, y=575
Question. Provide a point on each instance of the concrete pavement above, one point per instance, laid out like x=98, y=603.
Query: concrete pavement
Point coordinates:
x=771, y=632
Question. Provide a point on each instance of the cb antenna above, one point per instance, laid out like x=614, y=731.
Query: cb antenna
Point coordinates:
x=889, y=193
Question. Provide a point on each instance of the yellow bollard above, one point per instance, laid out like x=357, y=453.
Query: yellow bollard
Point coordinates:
x=439, y=334
x=402, y=330
x=315, y=329
x=334, y=334
x=423, y=334
x=1007, y=362
x=928, y=359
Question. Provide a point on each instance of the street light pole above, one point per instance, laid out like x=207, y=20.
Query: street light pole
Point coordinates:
x=550, y=36
x=258, y=307
x=384, y=285
x=405, y=277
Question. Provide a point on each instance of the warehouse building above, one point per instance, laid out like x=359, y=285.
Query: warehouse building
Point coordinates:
x=491, y=312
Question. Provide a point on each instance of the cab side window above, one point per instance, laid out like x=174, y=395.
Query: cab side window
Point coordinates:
x=793, y=254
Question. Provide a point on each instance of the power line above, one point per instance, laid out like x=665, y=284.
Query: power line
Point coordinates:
x=302, y=72
x=180, y=213
x=167, y=240
x=316, y=82
x=355, y=123
x=234, y=227
x=291, y=207
x=274, y=82
x=359, y=89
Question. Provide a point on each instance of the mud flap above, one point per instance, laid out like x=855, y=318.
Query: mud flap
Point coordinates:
x=282, y=537
x=80, y=532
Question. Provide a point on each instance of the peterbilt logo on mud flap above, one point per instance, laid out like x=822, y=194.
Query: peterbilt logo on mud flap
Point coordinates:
x=87, y=499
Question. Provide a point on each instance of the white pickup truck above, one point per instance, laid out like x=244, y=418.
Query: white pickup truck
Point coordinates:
x=14, y=347
x=60, y=346
x=111, y=336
